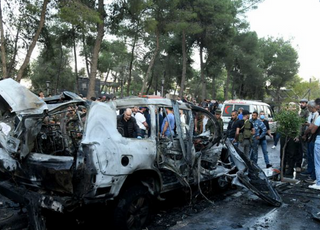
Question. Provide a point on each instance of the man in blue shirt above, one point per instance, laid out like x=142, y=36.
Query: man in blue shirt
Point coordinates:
x=260, y=132
x=168, y=124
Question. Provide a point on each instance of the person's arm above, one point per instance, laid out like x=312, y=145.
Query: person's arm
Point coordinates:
x=314, y=128
x=136, y=127
x=236, y=135
x=166, y=125
x=315, y=125
x=264, y=130
x=145, y=124
x=253, y=131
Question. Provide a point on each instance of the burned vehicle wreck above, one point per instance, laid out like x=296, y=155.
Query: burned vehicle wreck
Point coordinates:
x=66, y=152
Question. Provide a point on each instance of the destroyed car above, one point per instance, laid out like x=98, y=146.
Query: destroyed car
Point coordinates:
x=65, y=152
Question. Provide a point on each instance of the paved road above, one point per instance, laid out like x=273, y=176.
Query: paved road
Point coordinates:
x=243, y=210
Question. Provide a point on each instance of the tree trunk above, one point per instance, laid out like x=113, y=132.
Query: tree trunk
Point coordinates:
x=184, y=64
x=3, y=48
x=34, y=41
x=75, y=60
x=85, y=53
x=105, y=81
x=149, y=84
x=96, y=49
x=15, y=50
x=146, y=79
x=203, y=80
x=59, y=70
x=131, y=61
x=226, y=87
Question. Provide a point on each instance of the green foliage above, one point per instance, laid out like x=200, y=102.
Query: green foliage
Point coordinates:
x=79, y=13
x=289, y=123
x=280, y=61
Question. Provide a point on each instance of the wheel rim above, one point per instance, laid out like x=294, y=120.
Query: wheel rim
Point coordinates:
x=138, y=213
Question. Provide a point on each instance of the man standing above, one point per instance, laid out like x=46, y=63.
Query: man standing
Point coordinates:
x=303, y=145
x=263, y=140
x=310, y=138
x=232, y=126
x=127, y=126
x=141, y=121
x=244, y=133
x=260, y=132
x=240, y=115
x=315, y=130
x=168, y=124
x=210, y=125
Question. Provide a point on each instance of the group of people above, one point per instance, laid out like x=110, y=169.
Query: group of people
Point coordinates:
x=136, y=122
x=248, y=134
x=306, y=145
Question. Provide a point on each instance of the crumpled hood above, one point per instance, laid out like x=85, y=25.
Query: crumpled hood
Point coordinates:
x=20, y=99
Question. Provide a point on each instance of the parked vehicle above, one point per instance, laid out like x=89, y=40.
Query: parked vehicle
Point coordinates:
x=65, y=152
x=250, y=105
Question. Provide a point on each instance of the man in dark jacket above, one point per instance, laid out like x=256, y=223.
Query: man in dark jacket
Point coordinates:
x=232, y=126
x=127, y=125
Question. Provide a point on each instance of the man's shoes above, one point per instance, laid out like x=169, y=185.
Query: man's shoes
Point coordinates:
x=269, y=165
x=310, y=181
x=273, y=147
x=314, y=186
x=298, y=169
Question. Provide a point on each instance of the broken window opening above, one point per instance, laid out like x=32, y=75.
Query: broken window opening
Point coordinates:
x=61, y=132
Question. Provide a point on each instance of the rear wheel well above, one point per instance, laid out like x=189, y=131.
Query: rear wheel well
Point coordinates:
x=149, y=178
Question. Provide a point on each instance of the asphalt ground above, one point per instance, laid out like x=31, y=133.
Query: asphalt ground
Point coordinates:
x=236, y=208
x=243, y=210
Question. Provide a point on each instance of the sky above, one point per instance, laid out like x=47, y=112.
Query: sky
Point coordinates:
x=295, y=20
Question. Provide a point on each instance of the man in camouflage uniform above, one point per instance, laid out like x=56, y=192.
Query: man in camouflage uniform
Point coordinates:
x=210, y=125
x=303, y=144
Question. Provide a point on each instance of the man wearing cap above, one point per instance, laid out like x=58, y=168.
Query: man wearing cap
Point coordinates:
x=260, y=132
x=210, y=125
x=303, y=144
x=220, y=121
x=244, y=133
x=141, y=121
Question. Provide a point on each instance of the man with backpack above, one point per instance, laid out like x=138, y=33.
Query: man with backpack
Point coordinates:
x=244, y=133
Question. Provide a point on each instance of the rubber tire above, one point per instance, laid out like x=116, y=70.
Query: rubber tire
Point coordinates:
x=221, y=184
x=133, y=208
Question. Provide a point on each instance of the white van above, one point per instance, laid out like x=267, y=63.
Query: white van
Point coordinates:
x=250, y=105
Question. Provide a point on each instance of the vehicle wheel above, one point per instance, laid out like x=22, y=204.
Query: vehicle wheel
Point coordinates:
x=222, y=183
x=132, y=210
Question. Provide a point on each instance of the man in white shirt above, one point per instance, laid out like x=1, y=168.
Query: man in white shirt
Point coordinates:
x=315, y=130
x=141, y=120
x=313, y=114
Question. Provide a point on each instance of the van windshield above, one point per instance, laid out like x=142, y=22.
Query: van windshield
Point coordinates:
x=228, y=108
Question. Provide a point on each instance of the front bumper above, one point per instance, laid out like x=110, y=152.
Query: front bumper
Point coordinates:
x=34, y=202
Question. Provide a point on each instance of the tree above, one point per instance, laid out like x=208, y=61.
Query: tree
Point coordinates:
x=280, y=62
x=288, y=126
x=184, y=23
x=33, y=42
x=83, y=19
x=96, y=49
x=3, y=47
